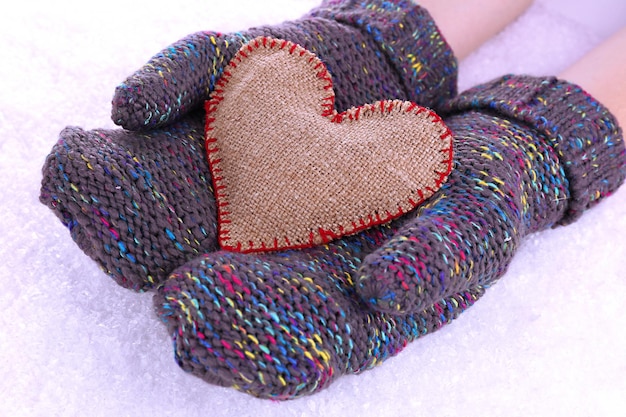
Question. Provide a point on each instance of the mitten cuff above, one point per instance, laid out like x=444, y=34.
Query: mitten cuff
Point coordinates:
x=407, y=34
x=582, y=131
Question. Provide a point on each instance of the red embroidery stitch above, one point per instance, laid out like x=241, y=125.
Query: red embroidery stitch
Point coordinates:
x=327, y=110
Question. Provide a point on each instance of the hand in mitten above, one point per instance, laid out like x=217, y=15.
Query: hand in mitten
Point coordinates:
x=375, y=50
x=141, y=204
x=530, y=153
x=283, y=325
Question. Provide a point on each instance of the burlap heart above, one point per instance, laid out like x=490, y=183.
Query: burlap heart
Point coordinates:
x=290, y=172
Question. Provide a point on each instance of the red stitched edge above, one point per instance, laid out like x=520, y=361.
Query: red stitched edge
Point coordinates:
x=328, y=110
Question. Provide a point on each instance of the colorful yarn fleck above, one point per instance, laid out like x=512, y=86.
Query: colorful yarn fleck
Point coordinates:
x=531, y=153
x=391, y=49
x=138, y=204
x=287, y=324
x=141, y=204
x=284, y=325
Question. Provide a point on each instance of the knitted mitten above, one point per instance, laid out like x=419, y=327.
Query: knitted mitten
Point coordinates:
x=287, y=324
x=374, y=49
x=531, y=153
x=138, y=204
x=141, y=204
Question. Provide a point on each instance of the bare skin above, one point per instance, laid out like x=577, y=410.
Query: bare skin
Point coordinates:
x=467, y=24
x=602, y=73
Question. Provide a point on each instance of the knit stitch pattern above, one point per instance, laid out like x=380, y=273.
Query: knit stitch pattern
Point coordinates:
x=283, y=325
x=142, y=204
x=531, y=153
x=138, y=204
x=391, y=49
x=287, y=324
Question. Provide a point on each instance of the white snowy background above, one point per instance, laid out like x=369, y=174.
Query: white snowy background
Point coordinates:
x=548, y=340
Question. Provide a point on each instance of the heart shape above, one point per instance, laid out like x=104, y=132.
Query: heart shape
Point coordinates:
x=289, y=171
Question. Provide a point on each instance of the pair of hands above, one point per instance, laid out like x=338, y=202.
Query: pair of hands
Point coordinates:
x=140, y=202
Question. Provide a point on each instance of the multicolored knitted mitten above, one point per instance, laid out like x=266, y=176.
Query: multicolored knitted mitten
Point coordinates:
x=374, y=49
x=287, y=324
x=531, y=153
x=142, y=204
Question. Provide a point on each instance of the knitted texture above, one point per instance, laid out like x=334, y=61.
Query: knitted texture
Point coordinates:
x=391, y=49
x=584, y=134
x=530, y=153
x=289, y=171
x=141, y=204
x=286, y=324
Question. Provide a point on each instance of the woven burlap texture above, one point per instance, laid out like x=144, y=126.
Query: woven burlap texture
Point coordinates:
x=291, y=172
